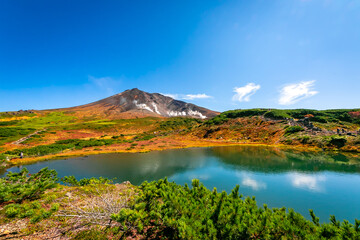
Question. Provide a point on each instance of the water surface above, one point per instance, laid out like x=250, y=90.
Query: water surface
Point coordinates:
x=324, y=182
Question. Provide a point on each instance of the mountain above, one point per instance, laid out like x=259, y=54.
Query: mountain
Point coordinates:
x=135, y=103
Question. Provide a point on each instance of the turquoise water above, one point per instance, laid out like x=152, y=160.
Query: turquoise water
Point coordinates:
x=323, y=182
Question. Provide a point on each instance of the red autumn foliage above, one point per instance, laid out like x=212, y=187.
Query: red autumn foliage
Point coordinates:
x=355, y=114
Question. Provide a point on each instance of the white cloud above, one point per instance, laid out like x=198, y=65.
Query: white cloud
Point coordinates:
x=308, y=182
x=187, y=96
x=174, y=96
x=295, y=92
x=196, y=96
x=243, y=93
x=252, y=183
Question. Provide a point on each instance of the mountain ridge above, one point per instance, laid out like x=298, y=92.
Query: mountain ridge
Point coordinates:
x=134, y=103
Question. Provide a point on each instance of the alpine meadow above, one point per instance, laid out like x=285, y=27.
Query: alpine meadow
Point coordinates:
x=160, y=119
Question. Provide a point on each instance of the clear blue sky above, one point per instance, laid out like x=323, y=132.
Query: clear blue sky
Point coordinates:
x=217, y=54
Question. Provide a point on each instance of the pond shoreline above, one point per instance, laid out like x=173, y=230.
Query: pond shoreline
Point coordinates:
x=192, y=144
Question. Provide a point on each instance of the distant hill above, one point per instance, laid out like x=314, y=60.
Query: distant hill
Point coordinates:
x=135, y=103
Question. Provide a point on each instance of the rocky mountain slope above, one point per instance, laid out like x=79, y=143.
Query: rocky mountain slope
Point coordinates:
x=136, y=103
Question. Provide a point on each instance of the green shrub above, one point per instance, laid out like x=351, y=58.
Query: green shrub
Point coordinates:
x=93, y=143
x=17, y=187
x=72, y=181
x=115, y=137
x=322, y=116
x=293, y=129
x=14, y=131
x=12, y=210
x=41, y=150
x=2, y=157
x=305, y=139
x=345, y=117
x=32, y=210
x=216, y=120
x=277, y=114
x=92, y=234
x=244, y=113
x=169, y=211
x=338, y=142
x=144, y=137
x=178, y=123
x=318, y=119
x=9, y=123
x=225, y=116
x=60, y=146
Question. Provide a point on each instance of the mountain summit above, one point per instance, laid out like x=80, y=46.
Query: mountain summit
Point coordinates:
x=136, y=103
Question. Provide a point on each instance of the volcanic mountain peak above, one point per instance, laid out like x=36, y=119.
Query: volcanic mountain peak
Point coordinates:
x=137, y=103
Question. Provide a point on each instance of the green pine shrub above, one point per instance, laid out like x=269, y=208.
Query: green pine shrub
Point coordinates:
x=9, y=123
x=32, y=210
x=293, y=129
x=277, y=114
x=176, y=123
x=17, y=187
x=62, y=145
x=170, y=211
x=338, y=142
x=6, y=132
x=72, y=181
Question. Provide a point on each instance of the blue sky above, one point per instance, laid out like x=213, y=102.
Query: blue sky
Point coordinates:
x=218, y=54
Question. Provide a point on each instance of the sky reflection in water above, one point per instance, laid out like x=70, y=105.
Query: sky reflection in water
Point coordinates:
x=324, y=182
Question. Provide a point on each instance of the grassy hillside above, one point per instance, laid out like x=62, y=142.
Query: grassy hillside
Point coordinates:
x=330, y=129
x=63, y=133
x=339, y=116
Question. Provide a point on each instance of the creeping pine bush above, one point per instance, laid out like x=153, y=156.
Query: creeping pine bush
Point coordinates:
x=9, y=123
x=171, y=211
x=61, y=145
x=178, y=123
x=14, y=131
x=32, y=210
x=16, y=187
x=322, y=116
x=293, y=129
x=277, y=114
x=336, y=141
x=72, y=181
